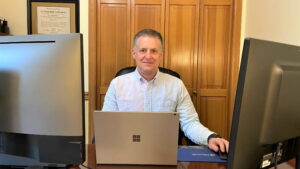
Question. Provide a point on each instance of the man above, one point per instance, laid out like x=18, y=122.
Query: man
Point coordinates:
x=147, y=89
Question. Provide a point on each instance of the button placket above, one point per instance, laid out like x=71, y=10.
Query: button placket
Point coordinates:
x=148, y=102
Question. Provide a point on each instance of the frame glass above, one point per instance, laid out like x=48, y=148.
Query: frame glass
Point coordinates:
x=53, y=16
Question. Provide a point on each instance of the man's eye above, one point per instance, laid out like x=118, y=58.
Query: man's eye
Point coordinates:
x=154, y=51
x=143, y=50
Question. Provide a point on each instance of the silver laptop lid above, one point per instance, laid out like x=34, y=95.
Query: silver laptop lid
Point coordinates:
x=136, y=137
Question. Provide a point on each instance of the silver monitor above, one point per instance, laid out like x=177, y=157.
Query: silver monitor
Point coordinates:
x=41, y=99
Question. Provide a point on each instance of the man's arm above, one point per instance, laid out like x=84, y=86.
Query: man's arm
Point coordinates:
x=110, y=100
x=189, y=119
x=192, y=127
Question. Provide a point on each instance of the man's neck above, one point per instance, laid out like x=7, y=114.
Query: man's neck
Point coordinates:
x=147, y=76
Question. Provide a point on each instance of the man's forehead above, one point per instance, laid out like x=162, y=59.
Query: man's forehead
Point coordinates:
x=141, y=42
x=148, y=37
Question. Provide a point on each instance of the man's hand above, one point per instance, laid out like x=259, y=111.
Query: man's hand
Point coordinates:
x=216, y=143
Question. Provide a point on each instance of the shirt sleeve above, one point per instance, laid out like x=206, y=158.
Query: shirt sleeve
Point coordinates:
x=110, y=100
x=189, y=120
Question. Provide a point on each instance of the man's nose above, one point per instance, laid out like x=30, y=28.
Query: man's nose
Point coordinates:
x=148, y=54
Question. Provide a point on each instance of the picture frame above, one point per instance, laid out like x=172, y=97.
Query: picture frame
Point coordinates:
x=53, y=16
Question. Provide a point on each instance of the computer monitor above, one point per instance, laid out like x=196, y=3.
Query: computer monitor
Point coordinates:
x=41, y=100
x=266, y=120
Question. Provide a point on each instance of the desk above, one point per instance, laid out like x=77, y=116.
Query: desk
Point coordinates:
x=181, y=165
x=3, y=34
x=91, y=158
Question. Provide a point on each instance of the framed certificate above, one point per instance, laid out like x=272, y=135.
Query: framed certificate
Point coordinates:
x=53, y=16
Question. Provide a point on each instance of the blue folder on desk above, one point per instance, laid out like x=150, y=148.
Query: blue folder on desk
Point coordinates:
x=197, y=153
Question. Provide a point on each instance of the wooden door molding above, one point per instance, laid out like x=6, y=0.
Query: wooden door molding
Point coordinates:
x=92, y=65
x=235, y=53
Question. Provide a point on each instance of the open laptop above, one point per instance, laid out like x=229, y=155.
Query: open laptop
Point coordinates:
x=149, y=138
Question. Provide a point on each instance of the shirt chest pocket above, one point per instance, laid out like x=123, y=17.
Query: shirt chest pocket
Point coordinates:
x=125, y=104
x=166, y=105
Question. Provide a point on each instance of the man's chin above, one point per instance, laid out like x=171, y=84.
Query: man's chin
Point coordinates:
x=149, y=70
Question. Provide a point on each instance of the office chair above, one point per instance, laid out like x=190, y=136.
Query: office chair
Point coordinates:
x=181, y=135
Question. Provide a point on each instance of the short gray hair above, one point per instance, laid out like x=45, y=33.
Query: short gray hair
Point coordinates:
x=148, y=32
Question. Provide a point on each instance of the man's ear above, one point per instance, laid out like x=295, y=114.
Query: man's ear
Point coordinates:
x=133, y=53
x=161, y=56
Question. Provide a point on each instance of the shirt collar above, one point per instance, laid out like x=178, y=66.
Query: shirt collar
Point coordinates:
x=138, y=76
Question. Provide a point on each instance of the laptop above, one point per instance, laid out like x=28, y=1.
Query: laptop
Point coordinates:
x=145, y=138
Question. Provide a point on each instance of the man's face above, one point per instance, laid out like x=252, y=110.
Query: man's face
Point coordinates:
x=147, y=54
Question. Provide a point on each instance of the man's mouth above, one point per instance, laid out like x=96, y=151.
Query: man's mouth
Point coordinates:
x=148, y=63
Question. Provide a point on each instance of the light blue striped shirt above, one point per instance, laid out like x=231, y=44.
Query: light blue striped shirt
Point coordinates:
x=165, y=93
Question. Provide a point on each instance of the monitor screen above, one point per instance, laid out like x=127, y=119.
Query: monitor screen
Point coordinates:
x=265, y=128
x=41, y=100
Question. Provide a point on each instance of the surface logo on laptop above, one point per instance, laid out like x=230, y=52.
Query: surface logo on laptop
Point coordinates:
x=136, y=138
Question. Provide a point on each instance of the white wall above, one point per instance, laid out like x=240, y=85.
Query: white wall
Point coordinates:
x=275, y=20
x=84, y=30
x=15, y=12
x=244, y=8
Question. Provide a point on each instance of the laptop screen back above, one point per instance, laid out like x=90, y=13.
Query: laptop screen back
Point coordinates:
x=136, y=137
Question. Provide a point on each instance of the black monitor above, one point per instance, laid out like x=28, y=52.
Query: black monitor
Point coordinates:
x=41, y=100
x=266, y=120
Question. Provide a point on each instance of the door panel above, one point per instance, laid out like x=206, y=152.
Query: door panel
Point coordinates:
x=182, y=41
x=215, y=60
x=113, y=44
x=147, y=14
x=213, y=63
x=212, y=110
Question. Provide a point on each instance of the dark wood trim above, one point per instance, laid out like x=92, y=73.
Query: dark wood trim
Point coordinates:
x=292, y=162
x=92, y=64
x=3, y=34
x=86, y=96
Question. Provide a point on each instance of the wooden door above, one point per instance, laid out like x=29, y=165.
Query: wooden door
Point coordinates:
x=214, y=64
x=113, y=42
x=182, y=40
x=198, y=38
x=147, y=14
x=118, y=21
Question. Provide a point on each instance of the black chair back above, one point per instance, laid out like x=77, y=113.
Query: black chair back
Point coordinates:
x=132, y=68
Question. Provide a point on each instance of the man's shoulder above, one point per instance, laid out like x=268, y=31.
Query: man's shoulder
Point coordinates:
x=170, y=78
x=124, y=78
